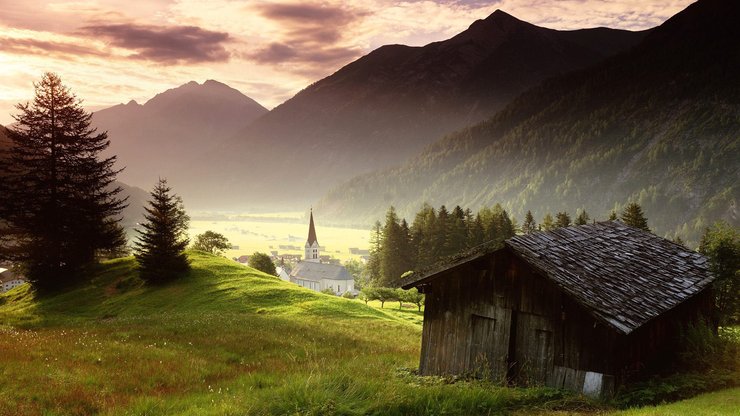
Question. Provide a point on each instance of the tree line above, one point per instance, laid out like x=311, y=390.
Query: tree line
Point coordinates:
x=397, y=247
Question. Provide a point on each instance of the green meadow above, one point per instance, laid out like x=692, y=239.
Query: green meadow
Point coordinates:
x=228, y=340
x=267, y=232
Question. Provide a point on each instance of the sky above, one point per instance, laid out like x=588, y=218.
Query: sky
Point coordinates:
x=111, y=51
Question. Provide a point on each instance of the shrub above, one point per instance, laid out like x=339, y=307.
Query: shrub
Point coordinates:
x=347, y=295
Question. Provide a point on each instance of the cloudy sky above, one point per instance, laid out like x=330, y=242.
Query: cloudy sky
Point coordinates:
x=112, y=51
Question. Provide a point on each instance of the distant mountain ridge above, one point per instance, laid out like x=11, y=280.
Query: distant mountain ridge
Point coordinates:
x=659, y=124
x=386, y=106
x=161, y=137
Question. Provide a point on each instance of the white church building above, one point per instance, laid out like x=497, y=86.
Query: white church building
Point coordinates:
x=312, y=274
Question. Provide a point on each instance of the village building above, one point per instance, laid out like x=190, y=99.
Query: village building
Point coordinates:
x=311, y=273
x=585, y=308
x=9, y=280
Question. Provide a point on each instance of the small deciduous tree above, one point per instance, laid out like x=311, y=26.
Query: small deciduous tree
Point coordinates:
x=721, y=244
x=211, y=242
x=413, y=296
x=263, y=263
x=160, y=247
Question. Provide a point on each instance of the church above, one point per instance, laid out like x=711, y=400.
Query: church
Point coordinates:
x=312, y=274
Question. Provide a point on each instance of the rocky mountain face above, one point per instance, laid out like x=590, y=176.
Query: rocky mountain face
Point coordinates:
x=659, y=124
x=162, y=137
x=386, y=106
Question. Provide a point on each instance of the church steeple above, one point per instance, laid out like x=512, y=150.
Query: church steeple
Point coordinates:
x=312, y=244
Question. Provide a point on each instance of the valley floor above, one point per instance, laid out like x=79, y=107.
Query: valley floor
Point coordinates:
x=227, y=340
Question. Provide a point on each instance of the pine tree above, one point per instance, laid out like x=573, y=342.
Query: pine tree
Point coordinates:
x=582, y=218
x=562, y=220
x=160, y=248
x=633, y=216
x=372, y=271
x=613, y=215
x=458, y=232
x=59, y=201
x=422, y=236
x=529, y=226
x=392, y=265
x=547, y=222
x=476, y=233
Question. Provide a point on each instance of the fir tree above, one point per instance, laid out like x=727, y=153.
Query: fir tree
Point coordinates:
x=613, y=216
x=633, y=216
x=372, y=271
x=476, y=233
x=59, y=201
x=160, y=249
x=582, y=218
x=562, y=220
x=392, y=261
x=529, y=226
x=547, y=223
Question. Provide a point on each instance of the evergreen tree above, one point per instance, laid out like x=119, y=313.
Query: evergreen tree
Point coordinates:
x=547, y=223
x=392, y=263
x=582, y=218
x=476, y=233
x=613, y=216
x=59, y=202
x=422, y=236
x=633, y=216
x=529, y=226
x=458, y=232
x=562, y=220
x=372, y=271
x=440, y=235
x=160, y=248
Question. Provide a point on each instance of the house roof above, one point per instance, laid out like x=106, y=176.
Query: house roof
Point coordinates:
x=8, y=275
x=307, y=270
x=622, y=275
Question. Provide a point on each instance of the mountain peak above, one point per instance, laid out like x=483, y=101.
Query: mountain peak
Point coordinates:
x=132, y=103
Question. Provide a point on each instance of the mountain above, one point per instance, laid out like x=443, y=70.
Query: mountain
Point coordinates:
x=386, y=106
x=659, y=124
x=160, y=137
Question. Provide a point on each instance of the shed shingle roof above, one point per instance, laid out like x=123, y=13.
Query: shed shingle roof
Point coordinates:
x=624, y=276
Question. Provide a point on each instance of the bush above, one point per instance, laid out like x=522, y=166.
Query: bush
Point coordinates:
x=347, y=295
x=328, y=291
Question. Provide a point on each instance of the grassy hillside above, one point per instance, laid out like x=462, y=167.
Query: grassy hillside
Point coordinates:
x=224, y=340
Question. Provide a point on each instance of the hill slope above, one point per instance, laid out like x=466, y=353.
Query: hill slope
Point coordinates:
x=386, y=106
x=161, y=137
x=659, y=124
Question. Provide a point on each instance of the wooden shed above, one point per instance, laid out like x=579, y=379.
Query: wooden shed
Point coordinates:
x=583, y=308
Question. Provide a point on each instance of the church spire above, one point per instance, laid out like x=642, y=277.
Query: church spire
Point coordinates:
x=312, y=244
x=311, y=232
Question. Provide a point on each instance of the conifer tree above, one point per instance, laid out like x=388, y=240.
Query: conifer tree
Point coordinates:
x=392, y=261
x=562, y=220
x=458, y=232
x=372, y=271
x=422, y=236
x=582, y=218
x=633, y=216
x=476, y=233
x=613, y=215
x=529, y=226
x=547, y=222
x=59, y=201
x=160, y=248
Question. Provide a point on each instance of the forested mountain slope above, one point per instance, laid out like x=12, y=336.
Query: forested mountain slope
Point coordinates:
x=659, y=124
x=388, y=105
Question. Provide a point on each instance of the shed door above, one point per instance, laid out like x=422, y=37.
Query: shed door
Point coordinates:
x=489, y=340
x=534, y=349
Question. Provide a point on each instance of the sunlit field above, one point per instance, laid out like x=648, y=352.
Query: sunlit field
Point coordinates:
x=267, y=232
